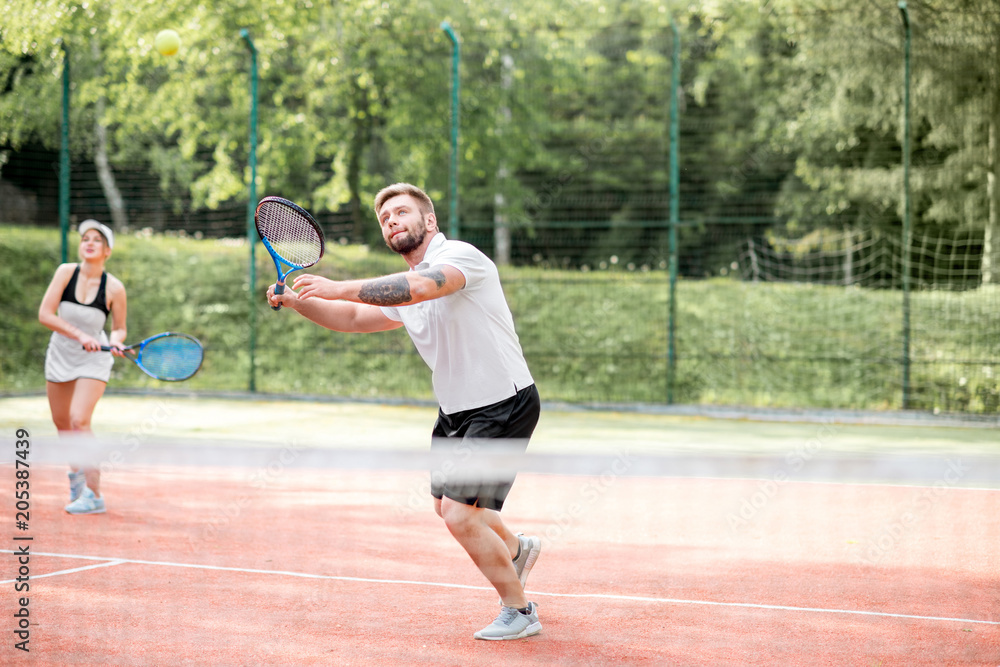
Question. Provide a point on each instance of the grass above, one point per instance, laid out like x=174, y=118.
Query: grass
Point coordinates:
x=598, y=336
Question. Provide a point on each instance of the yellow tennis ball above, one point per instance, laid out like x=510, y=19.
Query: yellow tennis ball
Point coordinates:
x=167, y=42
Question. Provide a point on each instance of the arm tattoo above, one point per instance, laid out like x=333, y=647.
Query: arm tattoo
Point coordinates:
x=437, y=275
x=388, y=291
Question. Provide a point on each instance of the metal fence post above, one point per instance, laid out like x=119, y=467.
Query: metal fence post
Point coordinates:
x=453, y=227
x=251, y=208
x=906, y=204
x=675, y=77
x=64, y=160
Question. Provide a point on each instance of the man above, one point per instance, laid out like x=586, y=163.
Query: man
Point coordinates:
x=454, y=310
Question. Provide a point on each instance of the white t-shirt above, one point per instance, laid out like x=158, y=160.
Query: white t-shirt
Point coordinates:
x=466, y=338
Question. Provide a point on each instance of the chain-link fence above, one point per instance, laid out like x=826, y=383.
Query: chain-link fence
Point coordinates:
x=810, y=268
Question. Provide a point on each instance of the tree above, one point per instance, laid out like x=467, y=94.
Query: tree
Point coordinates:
x=845, y=126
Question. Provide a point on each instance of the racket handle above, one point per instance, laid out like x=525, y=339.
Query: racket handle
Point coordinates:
x=279, y=288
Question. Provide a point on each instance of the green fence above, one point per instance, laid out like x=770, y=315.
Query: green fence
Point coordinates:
x=743, y=204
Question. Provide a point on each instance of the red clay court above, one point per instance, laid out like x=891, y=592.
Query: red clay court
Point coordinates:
x=279, y=564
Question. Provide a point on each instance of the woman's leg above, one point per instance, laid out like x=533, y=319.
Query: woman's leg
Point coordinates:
x=72, y=405
x=88, y=393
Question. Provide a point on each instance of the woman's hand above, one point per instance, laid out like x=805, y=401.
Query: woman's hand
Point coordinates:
x=90, y=344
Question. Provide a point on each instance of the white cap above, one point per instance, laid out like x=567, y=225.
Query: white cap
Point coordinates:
x=105, y=231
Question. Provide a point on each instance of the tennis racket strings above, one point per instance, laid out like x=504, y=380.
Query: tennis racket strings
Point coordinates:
x=290, y=235
x=171, y=357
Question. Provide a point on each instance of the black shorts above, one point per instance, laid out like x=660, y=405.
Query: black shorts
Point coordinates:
x=461, y=434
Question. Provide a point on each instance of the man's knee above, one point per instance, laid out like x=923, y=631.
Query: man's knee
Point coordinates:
x=458, y=516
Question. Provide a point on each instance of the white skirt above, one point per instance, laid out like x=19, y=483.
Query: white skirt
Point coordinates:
x=65, y=358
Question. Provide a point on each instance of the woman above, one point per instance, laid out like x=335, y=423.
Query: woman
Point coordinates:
x=76, y=306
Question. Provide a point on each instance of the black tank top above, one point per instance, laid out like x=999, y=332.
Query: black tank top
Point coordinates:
x=100, y=301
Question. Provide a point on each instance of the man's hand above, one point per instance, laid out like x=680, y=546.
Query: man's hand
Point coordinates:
x=310, y=286
x=288, y=298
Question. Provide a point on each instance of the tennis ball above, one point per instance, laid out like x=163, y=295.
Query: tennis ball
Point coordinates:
x=167, y=42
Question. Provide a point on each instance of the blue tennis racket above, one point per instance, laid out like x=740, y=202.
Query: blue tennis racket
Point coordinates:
x=290, y=235
x=169, y=356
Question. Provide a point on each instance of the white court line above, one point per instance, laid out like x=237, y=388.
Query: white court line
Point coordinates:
x=751, y=605
x=55, y=574
x=599, y=596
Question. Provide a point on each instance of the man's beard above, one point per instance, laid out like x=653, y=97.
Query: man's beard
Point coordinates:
x=407, y=242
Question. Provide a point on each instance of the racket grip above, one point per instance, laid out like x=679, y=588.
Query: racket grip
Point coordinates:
x=279, y=288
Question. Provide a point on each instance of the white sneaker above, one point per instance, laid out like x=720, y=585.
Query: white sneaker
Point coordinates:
x=530, y=548
x=87, y=503
x=512, y=624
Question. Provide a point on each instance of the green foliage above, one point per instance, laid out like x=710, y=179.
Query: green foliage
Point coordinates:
x=590, y=337
x=790, y=116
x=790, y=109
